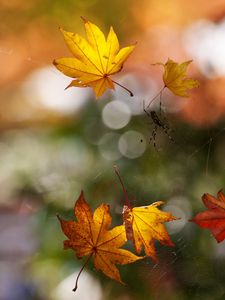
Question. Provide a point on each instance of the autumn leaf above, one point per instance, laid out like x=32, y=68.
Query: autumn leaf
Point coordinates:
x=90, y=236
x=144, y=224
x=175, y=78
x=214, y=217
x=95, y=58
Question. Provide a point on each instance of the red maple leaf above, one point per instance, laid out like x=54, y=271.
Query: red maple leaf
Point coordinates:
x=214, y=217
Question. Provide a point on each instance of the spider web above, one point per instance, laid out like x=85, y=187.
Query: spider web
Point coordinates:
x=172, y=261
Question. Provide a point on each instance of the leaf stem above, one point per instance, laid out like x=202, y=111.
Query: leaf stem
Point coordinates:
x=85, y=263
x=156, y=96
x=127, y=202
x=131, y=94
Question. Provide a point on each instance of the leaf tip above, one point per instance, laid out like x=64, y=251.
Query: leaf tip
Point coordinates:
x=205, y=197
x=59, y=219
x=158, y=203
x=84, y=19
x=55, y=62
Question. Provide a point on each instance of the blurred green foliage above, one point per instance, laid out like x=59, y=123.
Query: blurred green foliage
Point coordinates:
x=47, y=167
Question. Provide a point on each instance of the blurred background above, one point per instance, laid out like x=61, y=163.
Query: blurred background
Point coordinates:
x=56, y=142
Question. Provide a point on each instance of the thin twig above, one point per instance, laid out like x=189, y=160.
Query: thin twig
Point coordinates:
x=156, y=96
x=127, y=202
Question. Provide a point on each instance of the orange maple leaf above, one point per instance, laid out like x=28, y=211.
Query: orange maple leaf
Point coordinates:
x=90, y=236
x=144, y=224
x=214, y=217
x=95, y=59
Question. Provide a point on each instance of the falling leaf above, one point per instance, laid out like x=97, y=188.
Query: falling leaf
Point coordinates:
x=175, y=78
x=214, y=217
x=90, y=236
x=95, y=59
x=144, y=225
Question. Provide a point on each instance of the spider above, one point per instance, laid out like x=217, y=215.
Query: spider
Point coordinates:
x=158, y=123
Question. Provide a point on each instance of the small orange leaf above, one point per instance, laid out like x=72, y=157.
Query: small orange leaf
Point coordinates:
x=91, y=236
x=175, y=78
x=95, y=59
x=144, y=225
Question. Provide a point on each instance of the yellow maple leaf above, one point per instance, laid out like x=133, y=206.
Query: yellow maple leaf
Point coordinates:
x=95, y=58
x=175, y=78
x=90, y=236
x=144, y=225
